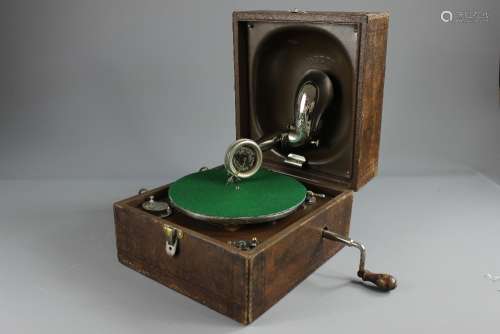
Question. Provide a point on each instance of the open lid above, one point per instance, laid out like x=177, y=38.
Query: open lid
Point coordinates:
x=272, y=53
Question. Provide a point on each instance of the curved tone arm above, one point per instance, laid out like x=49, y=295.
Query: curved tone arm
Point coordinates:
x=384, y=282
x=244, y=156
x=266, y=145
x=314, y=95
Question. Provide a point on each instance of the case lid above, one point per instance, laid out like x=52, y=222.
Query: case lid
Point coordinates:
x=273, y=50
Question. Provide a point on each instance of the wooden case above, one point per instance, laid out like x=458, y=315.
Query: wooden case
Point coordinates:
x=239, y=284
x=244, y=284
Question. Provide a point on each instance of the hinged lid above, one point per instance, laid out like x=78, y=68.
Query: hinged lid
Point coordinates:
x=272, y=53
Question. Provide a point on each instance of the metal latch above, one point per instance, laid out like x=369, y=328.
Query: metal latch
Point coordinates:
x=173, y=235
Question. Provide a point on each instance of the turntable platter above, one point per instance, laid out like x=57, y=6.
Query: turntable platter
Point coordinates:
x=207, y=196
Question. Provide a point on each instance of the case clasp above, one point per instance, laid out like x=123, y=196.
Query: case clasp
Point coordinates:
x=172, y=235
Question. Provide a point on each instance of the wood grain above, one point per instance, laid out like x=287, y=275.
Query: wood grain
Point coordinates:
x=239, y=284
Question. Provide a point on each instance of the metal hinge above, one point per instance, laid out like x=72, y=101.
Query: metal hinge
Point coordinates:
x=173, y=235
x=297, y=11
x=244, y=245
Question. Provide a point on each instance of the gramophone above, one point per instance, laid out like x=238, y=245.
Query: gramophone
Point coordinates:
x=239, y=236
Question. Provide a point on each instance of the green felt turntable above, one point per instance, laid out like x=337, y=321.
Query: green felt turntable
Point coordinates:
x=207, y=195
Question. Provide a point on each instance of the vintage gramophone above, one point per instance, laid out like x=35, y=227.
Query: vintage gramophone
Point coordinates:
x=238, y=237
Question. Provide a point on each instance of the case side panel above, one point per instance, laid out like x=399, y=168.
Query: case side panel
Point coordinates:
x=285, y=263
x=241, y=89
x=200, y=270
x=373, y=60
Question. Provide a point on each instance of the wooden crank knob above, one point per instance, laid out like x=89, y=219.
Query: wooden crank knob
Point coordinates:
x=384, y=282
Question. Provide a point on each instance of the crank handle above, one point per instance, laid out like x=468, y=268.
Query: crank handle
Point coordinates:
x=384, y=282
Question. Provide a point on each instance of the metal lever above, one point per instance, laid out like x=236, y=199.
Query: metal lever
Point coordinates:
x=384, y=282
x=311, y=197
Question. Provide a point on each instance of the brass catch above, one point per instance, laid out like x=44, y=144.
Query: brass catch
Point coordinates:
x=173, y=235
